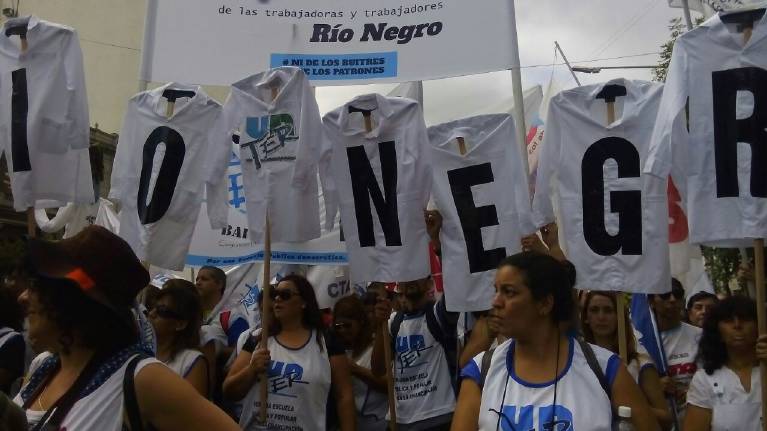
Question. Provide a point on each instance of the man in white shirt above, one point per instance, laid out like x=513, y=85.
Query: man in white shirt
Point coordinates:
x=680, y=344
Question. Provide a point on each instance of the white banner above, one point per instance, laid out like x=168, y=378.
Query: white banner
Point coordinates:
x=231, y=246
x=337, y=42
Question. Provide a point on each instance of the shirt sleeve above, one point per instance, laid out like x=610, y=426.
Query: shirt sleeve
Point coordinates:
x=472, y=370
x=310, y=129
x=543, y=210
x=78, y=121
x=521, y=186
x=333, y=344
x=59, y=221
x=125, y=168
x=675, y=93
x=699, y=393
x=219, y=154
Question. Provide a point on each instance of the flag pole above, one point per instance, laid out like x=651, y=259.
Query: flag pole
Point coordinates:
x=516, y=85
x=687, y=17
x=147, y=44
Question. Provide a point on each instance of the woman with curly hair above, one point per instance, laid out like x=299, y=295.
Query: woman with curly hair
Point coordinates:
x=95, y=374
x=725, y=393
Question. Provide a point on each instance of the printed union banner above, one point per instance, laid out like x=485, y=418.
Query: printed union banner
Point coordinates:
x=336, y=42
x=231, y=246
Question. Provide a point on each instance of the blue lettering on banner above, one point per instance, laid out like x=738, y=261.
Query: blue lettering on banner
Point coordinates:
x=550, y=418
x=341, y=66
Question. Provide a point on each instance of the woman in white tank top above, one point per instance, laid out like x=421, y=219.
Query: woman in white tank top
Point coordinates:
x=79, y=293
x=176, y=317
x=599, y=321
x=540, y=379
x=300, y=361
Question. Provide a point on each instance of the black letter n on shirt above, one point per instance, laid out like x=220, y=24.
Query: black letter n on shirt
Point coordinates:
x=365, y=188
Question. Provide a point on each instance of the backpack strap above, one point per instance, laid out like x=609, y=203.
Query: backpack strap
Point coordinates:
x=449, y=343
x=487, y=358
x=132, y=410
x=591, y=359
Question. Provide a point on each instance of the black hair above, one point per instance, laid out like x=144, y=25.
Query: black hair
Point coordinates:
x=312, y=316
x=352, y=307
x=186, y=303
x=546, y=276
x=11, y=312
x=675, y=285
x=76, y=315
x=218, y=274
x=712, y=352
x=699, y=296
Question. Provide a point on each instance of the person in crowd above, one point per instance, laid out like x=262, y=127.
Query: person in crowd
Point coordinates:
x=176, y=318
x=725, y=393
x=599, y=322
x=302, y=362
x=698, y=306
x=355, y=330
x=424, y=338
x=680, y=343
x=541, y=378
x=221, y=326
x=79, y=293
x=12, y=345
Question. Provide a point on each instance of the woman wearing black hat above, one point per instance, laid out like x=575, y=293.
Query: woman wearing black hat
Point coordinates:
x=94, y=374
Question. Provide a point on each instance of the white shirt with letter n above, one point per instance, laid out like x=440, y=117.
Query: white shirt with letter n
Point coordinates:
x=382, y=181
x=484, y=201
x=614, y=219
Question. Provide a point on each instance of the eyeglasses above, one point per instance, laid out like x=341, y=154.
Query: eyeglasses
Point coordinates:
x=342, y=325
x=678, y=294
x=166, y=313
x=284, y=294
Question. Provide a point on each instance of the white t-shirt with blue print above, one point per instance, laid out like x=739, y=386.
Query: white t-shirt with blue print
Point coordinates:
x=511, y=404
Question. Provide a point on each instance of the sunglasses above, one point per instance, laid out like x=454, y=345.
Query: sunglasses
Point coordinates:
x=342, y=325
x=166, y=313
x=284, y=294
x=678, y=294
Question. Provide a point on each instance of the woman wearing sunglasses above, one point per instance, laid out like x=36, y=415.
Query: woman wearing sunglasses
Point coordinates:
x=725, y=394
x=355, y=330
x=301, y=361
x=176, y=318
x=599, y=321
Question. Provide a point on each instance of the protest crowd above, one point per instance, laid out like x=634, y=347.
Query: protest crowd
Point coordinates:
x=472, y=275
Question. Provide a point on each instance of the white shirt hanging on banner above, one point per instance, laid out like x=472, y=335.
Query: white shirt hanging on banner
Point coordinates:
x=280, y=139
x=382, y=180
x=44, y=126
x=614, y=219
x=484, y=201
x=159, y=172
x=722, y=157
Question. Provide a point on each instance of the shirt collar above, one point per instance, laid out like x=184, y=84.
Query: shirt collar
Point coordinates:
x=156, y=96
x=351, y=124
x=720, y=31
x=31, y=21
x=256, y=87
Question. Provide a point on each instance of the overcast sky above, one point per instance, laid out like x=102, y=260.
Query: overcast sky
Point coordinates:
x=586, y=30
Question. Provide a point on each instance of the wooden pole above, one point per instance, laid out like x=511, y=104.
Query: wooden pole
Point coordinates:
x=621, y=299
x=266, y=302
x=389, y=377
x=761, y=317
